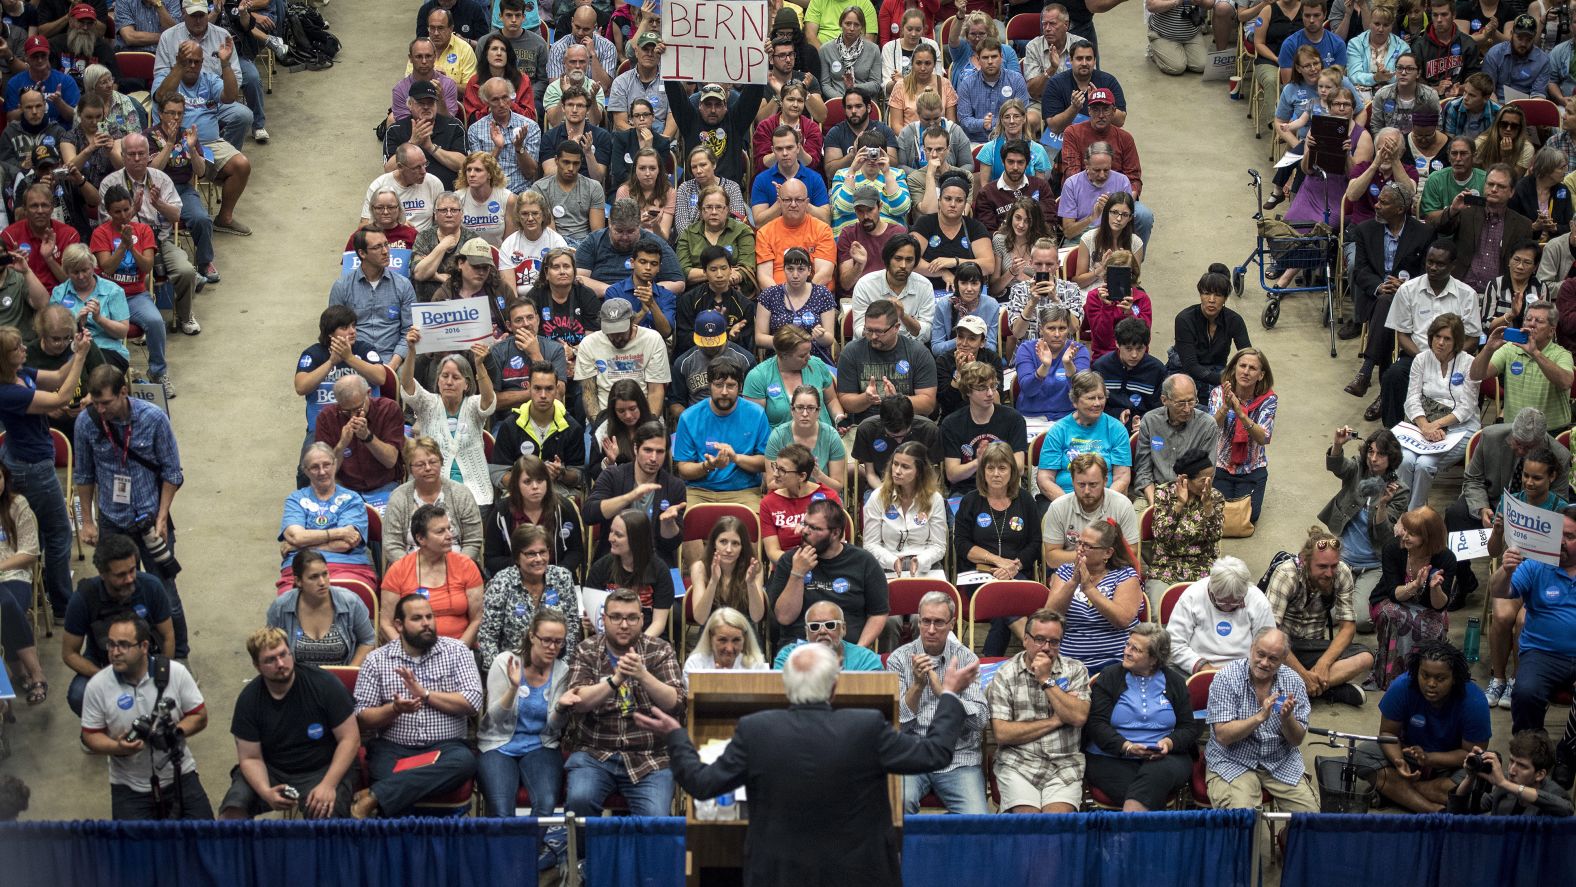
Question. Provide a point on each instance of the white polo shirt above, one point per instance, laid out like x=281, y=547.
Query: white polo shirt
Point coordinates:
x=109, y=705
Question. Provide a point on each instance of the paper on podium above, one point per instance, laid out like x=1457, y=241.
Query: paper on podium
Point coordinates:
x=710, y=752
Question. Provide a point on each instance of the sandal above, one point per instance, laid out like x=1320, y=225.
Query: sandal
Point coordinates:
x=37, y=692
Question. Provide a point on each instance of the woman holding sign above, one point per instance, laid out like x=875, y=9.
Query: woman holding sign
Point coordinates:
x=1442, y=401
x=1408, y=605
x=454, y=417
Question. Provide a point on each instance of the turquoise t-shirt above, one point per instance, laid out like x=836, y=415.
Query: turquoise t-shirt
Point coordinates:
x=828, y=444
x=855, y=657
x=1067, y=439
x=764, y=383
x=112, y=305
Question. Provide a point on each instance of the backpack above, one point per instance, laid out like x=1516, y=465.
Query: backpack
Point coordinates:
x=311, y=43
x=1280, y=557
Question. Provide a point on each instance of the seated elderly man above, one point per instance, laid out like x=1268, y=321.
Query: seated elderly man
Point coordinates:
x=919, y=666
x=825, y=568
x=440, y=137
x=1039, y=701
x=1537, y=373
x=367, y=432
x=150, y=198
x=1258, y=715
x=210, y=101
x=824, y=624
x=1312, y=599
x=1169, y=430
x=796, y=227
x=417, y=189
x=415, y=695
x=1214, y=621
x=508, y=135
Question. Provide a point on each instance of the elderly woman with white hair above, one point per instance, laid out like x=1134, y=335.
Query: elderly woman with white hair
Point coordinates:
x=122, y=115
x=1215, y=619
x=328, y=518
x=727, y=643
x=1141, y=728
x=454, y=416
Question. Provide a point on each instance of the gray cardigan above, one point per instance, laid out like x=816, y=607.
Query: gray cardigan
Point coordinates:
x=498, y=723
x=350, y=617
x=459, y=502
x=1340, y=510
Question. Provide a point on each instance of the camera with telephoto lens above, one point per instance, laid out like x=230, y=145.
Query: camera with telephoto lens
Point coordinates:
x=156, y=546
x=158, y=729
x=1475, y=764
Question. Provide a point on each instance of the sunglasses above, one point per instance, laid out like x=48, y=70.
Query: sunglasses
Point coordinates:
x=830, y=625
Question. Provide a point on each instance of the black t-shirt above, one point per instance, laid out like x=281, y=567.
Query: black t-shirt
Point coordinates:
x=940, y=246
x=655, y=594
x=601, y=142
x=874, y=446
x=731, y=304
x=296, y=732
x=91, y=610
x=962, y=438
x=447, y=133
x=570, y=322
x=853, y=580
x=909, y=365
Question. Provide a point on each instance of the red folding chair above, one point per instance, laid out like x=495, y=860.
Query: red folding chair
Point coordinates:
x=1168, y=600
x=1023, y=26
x=136, y=66
x=834, y=114
x=1005, y=598
x=903, y=594
x=365, y=592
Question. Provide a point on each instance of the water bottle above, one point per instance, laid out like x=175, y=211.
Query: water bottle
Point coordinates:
x=1469, y=644
x=706, y=810
x=727, y=811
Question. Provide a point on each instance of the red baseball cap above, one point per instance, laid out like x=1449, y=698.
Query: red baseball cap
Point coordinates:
x=1101, y=96
x=35, y=43
x=83, y=11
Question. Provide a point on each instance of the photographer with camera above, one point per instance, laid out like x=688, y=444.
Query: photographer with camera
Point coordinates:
x=119, y=591
x=139, y=713
x=128, y=466
x=1519, y=785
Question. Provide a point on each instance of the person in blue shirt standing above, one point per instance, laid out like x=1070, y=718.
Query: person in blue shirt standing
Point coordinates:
x=381, y=301
x=721, y=443
x=1548, y=636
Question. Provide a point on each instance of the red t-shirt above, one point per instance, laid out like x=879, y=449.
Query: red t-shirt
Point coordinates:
x=106, y=239
x=784, y=517
x=400, y=237
x=17, y=236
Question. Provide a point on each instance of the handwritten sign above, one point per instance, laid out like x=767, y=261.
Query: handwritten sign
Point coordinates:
x=1411, y=438
x=715, y=41
x=1535, y=532
x=1469, y=544
x=451, y=325
x=399, y=262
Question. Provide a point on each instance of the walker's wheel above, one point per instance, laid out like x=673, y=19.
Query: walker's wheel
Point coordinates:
x=1237, y=279
x=1271, y=314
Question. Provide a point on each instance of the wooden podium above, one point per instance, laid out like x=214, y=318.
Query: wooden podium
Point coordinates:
x=714, y=851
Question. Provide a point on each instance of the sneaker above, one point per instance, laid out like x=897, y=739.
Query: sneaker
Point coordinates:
x=260, y=135
x=280, y=50
x=1346, y=694
x=190, y=326
x=210, y=273
x=1504, y=699
x=169, y=387
x=1495, y=692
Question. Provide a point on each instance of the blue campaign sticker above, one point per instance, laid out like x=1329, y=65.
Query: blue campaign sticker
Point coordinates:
x=300, y=632
x=492, y=206
x=984, y=520
x=1477, y=25
x=519, y=610
x=424, y=591
x=550, y=597
x=1418, y=721
x=902, y=368
x=1561, y=194
x=728, y=247
x=663, y=504
x=1063, y=683
x=452, y=58
x=601, y=366
x=1389, y=107
x=1373, y=189
x=1061, y=373
x=1457, y=379
x=817, y=496
x=935, y=240
x=879, y=445
x=1516, y=367
x=892, y=514
x=141, y=611
x=807, y=318
x=566, y=530
x=393, y=312
x=840, y=586
x=306, y=361
x=774, y=390
x=1223, y=628
x=964, y=243
x=807, y=579
x=628, y=264
x=314, y=731
x=1135, y=399
x=1455, y=49
x=517, y=362
x=125, y=701
x=1553, y=593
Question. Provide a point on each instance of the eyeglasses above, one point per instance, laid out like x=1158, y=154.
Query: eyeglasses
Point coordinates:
x=934, y=623
x=1084, y=546
x=639, y=115
x=1405, y=69
x=781, y=470
x=121, y=645
x=1189, y=402
x=1043, y=641
x=534, y=555
x=794, y=201
x=621, y=618
x=810, y=407
x=447, y=209
x=1509, y=124
x=1121, y=214
x=878, y=331
x=830, y=625
x=547, y=642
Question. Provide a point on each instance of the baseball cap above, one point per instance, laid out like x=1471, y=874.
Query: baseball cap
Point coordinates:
x=1101, y=96
x=424, y=90
x=478, y=252
x=195, y=6
x=1425, y=118
x=616, y=315
x=1525, y=24
x=649, y=38
x=45, y=154
x=713, y=91
x=865, y=195
x=971, y=323
x=35, y=43
x=83, y=11
x=711, y=329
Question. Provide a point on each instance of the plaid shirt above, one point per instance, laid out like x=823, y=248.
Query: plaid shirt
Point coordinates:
x=1232, y=698
x=1015, y=695
x=967, y=751
x=447, y=668
x=610, y=730
x=1303, y=612
x=1456, y=120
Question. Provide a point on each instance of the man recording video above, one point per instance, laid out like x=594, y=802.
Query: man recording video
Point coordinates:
x=1517, y=786
x=139, y=712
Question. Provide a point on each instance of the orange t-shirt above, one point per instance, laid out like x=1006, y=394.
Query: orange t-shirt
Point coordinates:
x=775, y=238
x=449, y=603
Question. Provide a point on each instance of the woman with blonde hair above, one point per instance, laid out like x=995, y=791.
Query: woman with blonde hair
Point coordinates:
x=486, y=204
x=905, y=519
x=727, y=643
x=522, y=253
x=1506, y=142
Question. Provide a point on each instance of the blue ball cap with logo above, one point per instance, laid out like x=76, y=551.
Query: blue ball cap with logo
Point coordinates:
x=711, y=329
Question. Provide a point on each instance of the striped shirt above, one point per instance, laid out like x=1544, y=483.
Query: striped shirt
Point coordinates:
x=1232, y=698
x=446, y=668
x=894, y=206
x=1264, y=415
x=967, y=752
x=1090, y=637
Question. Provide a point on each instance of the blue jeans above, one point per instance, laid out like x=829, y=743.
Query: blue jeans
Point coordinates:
x=75, y=692
x=961, y=790
x=1235, y=486
x=37, y=483
x=235, y=123
x=1143, y=221
x=146, y=314
x=252, y=91
x=590, y=781
x=195, y=218
x=541, y=771
x=1539, y=676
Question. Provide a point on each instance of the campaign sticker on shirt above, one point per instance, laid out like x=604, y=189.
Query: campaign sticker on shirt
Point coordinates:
x=1135, y=399
x=314, y=731
x=517, y=362
x=1457, y=378
x=1006, y=91
x=891, y=514
x=452, y=58
x=774, y=390
x=424, y=591
x=894, y=27
x=1516, y=367
x=817, y=496
x=393, y=312
x=25, y=248
x=837, y=67
x=558, y=212
x=984, y=520
x=1455, y=50
x=1223, y=628
x=527, y=447
x=840, y=586
x=1421, y=163
x=565, y=530
x=1418, y=721
x=140, y=610
x=902, y=368
x=663, y=505
x=372, y=357
x=1522, y=74
x=807, y=318
x=1389, y=107
x=1015, y=523
x=125, y=701
x=493, y=206
x=347, y=452
x=629, y=264
x=306, y=360
x=879, y=445
x=964, y=243
x=1553, y=593
x=1477, y=25
x=728, y=247
x=550, y=597
x=519, y=610
x=628, y=158
x=1561, y=194
x=967, y=450
x=601, y=366
x=935, y=240
x=1373, y=189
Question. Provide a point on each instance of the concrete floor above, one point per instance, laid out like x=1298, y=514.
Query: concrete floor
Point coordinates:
x=240, y=424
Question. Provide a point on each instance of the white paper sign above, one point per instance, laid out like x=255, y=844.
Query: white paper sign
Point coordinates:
x=974, y=577
x=715, y=41
x=1469, y=544
x=1411, y=438
x=1535, y=532
x=592, y=602
x=451, y=325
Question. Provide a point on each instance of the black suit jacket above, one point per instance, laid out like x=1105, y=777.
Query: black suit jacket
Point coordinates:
x=1467, y=225
x=816, y=776
x=1369, y=269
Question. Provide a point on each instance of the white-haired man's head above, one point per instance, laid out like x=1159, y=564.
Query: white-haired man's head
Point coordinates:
x=810, y=674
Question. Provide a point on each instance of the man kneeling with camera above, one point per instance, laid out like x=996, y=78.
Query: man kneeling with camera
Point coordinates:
x=1518, y=785
x=139, y=712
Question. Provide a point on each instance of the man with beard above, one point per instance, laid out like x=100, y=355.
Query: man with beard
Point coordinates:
x=1312, y=598
x=621, y=350
x=1214, y=621
x=645, y=484
x=912, y=293
x=720, y=445
x=295, y=734
x=82, y=45
x=824, y=624
x=129, y=689
x=993, y=201
x=824, y=568
x=858, y=244
x=440, y=137
x=1258, y=716
x=837, y=144
x=1090, y=501
x=881, y=364
x=416, y=695
x=118, y=590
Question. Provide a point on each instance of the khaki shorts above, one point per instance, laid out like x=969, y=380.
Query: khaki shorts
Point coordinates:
x=1248, y=790
x=1017, y=791
x=223, y=152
